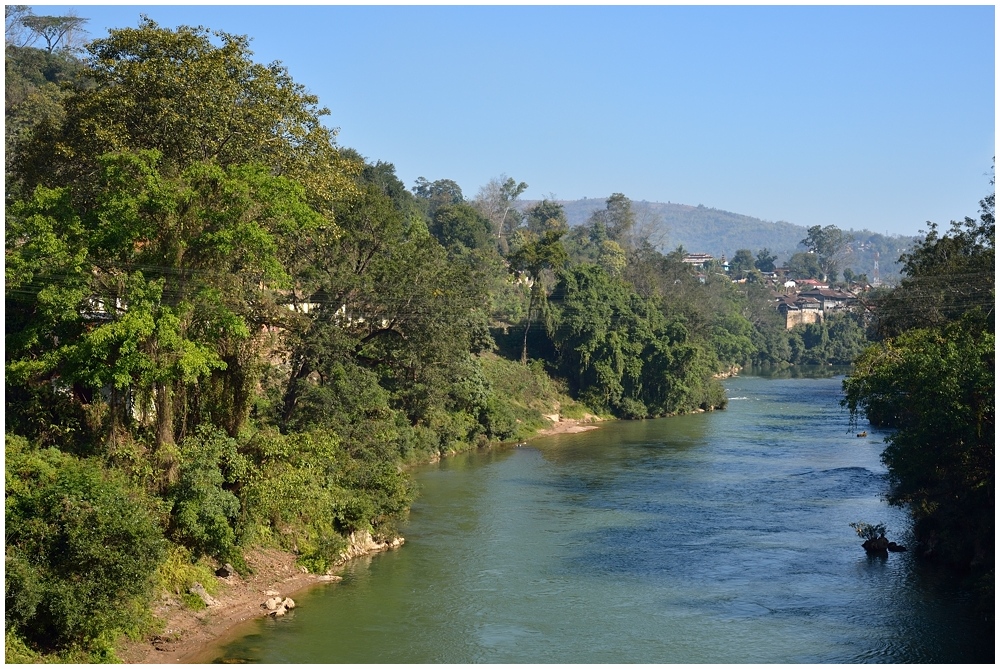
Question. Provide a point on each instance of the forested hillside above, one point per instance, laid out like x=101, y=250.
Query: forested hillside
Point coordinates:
x=700, y=229
x=225, y=331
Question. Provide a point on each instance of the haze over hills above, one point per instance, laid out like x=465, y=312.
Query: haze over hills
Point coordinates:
x=701, y=229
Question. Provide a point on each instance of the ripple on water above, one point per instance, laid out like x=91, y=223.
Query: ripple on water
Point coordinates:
x=720, y=537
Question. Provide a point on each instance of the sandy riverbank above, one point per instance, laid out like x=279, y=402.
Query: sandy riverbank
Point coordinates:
x=562, y=425
x=187, y=632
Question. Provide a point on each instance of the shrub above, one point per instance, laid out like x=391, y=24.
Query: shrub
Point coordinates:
x=179, y=571
x=204, y=512
x=309, y=490
x=869, y=532
x=81, y=549
x=499, y=419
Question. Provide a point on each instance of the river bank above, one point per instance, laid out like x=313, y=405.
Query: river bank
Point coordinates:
x=687, y=540
x=186, y=632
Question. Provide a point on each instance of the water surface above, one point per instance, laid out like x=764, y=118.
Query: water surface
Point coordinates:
x=721, y=537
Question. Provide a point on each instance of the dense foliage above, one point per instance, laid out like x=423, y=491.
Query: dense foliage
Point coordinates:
x=82, y=545
x=931, y=379
x=224, y=331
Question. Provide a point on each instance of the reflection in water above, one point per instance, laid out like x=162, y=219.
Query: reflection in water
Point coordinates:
x=720, y=537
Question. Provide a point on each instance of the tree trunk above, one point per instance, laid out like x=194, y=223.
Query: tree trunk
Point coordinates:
x=527, y=325
x=292, y=389
x=164, y=415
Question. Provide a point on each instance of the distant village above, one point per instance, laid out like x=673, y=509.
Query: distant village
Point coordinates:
x=800, y=301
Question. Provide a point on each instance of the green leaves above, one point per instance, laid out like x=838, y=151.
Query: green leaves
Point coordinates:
x=936, y=387
x=81, y=548
x=620, y=351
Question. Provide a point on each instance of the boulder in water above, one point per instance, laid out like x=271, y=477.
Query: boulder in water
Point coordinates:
x=877, y=546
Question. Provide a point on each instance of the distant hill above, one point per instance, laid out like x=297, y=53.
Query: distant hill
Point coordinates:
x=703, y=229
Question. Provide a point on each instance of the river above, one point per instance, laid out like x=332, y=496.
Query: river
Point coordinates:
x=721, y=537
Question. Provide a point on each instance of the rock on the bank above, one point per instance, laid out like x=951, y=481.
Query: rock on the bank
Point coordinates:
x=277, y=607
x=362, y=543
x=225, y=571
x=199, y=590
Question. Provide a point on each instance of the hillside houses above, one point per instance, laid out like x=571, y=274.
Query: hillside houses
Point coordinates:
x=800, y=301
x=810, y=306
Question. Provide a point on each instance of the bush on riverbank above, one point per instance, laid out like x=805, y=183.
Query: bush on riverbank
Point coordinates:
x=82, y=546
x=933, y=379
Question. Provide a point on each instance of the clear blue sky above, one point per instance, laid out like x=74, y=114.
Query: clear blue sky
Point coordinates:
x=862, y=117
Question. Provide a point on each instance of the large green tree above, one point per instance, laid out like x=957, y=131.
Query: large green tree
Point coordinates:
x=191, y=99
x=829, y=245
x=945, y=275
x=537, y=253
x=622, y=354
x=435, y=194
x=169, y=284
x=936, y=388
x=461, y=224
x=376, y=293
x=741, y=263
x=804, y=265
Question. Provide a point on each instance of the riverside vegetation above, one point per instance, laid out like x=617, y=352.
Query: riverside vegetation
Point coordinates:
x=225, y=331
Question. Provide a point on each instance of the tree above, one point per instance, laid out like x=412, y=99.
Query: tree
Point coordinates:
x=935, y=386
x=538, y=253
x=36, y=82
x=496, y=201
x=648, y=227
x=828, y=244
x=765, y=261
x=179, y=93
x=56, y=31
x=944, y=276
x=15, y=32
x=616, y=221
x=804, y=266
x=546, y=215
x=620, y=352
x=166, y=290
x=932, y=379
x=380, y=296
x=461, y=224
x=437, y=194
x=185, y=162
x=741, y=263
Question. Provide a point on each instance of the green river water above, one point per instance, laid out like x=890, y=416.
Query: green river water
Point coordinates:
x=721, y=537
